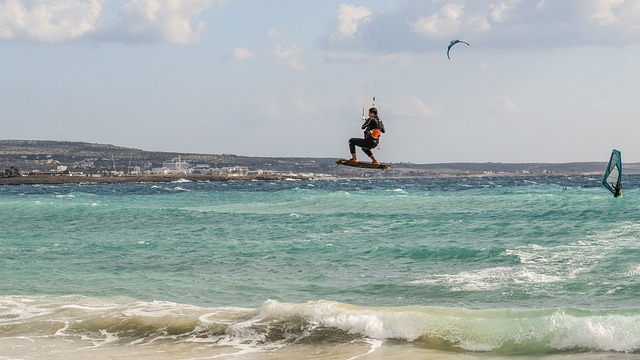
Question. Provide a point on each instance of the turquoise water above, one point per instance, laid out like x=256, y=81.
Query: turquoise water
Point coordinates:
x=491, y=266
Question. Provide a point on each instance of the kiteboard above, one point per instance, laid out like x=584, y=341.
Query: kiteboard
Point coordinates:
x=613, y=175
x=364, y=165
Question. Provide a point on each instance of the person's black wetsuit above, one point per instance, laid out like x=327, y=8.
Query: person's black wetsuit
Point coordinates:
x=368, y=142
x=618, y=192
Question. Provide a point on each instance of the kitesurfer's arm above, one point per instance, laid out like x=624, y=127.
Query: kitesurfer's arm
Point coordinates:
x=366, y=123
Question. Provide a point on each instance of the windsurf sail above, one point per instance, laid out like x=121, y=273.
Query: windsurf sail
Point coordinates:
x=613, y=175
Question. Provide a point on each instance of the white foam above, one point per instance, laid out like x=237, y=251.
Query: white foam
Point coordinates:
x=603, y=333
x=375, y=345
x=400, y=191
x=15, y=309
x=478, y=280
x=634, y=271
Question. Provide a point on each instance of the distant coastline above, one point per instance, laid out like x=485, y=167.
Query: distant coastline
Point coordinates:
x=60, y=162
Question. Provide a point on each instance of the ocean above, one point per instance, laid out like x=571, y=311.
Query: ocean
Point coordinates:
x=375, y=268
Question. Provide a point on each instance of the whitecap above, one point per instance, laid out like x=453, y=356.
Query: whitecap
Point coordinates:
x=181, y=180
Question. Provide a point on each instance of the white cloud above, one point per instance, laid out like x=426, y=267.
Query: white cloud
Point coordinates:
x=452, y=19
x=444, y=22
x=478, y=23
x=604, y=12
x=240, y=53
x=411, y=107
x=509, y=105
x=349, y=28
x=293, y=105
x=49, y=21
x=499, y=13
x=288, y=55
x=272, y=32
x=415, y=26
x=617, y=20
x=350, y=18
x=300, y=104
x=57, y=21
x=163, y=20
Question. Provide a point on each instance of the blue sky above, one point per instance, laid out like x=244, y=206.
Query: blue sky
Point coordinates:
x=542, y=81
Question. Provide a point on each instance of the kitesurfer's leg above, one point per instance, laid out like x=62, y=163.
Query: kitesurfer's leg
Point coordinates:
x=366, y=146
x=353, y=142
x=367, y=151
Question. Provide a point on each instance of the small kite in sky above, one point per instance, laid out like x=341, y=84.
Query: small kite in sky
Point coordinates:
x=453, y=42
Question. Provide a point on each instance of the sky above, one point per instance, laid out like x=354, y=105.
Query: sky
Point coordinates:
x=541, y=81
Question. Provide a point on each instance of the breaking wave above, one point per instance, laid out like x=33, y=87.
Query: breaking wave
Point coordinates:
x=276, y=325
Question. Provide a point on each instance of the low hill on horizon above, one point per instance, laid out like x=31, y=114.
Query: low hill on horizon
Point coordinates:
x=37, y=153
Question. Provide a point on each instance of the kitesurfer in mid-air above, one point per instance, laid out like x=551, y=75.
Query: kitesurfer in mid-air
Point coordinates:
x=372, y=127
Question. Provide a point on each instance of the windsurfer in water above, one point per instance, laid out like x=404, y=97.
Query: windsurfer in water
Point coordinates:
x=618, y=189
x=372, y=127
